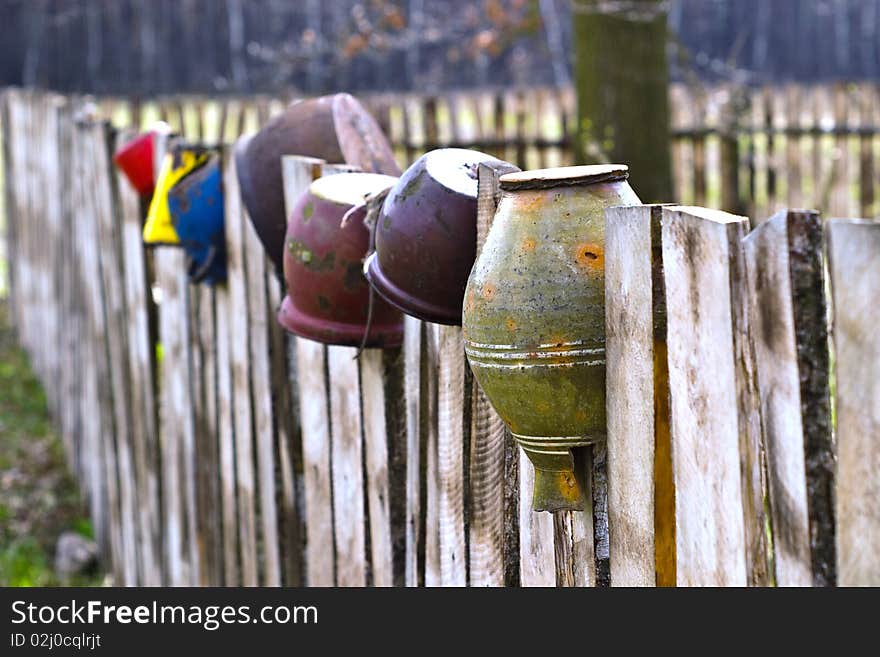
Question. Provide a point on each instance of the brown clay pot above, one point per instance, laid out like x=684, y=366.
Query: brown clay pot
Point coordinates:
x=334, y=128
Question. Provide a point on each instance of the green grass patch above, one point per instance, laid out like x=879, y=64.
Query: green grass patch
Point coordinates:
x=38, y=497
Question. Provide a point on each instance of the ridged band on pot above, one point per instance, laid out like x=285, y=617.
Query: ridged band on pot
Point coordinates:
x=328, y=299
x=180, y=162
x=534, y=318
x=197, y=211
x=426, y=237
x=334, y=128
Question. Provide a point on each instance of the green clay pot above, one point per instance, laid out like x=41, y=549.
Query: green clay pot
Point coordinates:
x=534, y=317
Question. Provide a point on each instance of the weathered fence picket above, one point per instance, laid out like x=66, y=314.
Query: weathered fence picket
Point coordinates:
x=215, y=449
x=855, y=283
x=635, y=350
x=490, y=498
x=710, y=428
x=787, y=288
x=141, y=359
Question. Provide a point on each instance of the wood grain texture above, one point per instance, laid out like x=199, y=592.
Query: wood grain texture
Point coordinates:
x=208, y=521
x=576, y=534
x=428, y=421
x=631, y=246
x=698, y=247
x=307, y=367
x=853, y=254
x=141, y=358
x=413, y=349
x=381, y=373
x=226, y=438
x=537, y=551
x=312, y=388
x=453, y=436
x=240, y=362
x=174, y=420
x=486, y=545
x=346, y=440
x=259, y=315
x=789, y=345
x=291, y=507
x=99, y=395
x=103, y=181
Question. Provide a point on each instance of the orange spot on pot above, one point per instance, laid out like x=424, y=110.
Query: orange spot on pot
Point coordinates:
x=489, y=291
x=528, y=244
x=469, y=301
x=590, y=256
x=511, y=325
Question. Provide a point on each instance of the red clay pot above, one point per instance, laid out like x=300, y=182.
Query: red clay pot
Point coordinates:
x=426, y=238
x=328, y=297
x=135, y=160
x=334, y=128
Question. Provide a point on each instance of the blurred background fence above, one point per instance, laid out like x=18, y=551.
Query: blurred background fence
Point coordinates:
x=742, y=149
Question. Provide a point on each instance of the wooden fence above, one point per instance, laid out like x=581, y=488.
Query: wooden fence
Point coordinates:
x=740, y=149
x=214, y=448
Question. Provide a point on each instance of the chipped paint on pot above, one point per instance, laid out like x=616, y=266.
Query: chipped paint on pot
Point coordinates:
x=196, y=206
x=534, y=317
x=180, y=162
x=328, y=297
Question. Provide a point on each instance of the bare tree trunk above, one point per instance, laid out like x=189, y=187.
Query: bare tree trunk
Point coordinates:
x=558, y=54
x=36, y=31
x=94, y=45
x=235, y=14
x=416, y=19
x=621, y=78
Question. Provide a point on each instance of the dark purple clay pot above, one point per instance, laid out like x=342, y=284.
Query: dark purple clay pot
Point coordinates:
x=426, y=237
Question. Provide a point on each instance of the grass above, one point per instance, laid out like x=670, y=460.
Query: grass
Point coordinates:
x=38, y=497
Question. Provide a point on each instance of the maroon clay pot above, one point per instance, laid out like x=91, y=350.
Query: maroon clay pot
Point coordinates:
x=334, y=128
x=426, y=237
x=328, y=297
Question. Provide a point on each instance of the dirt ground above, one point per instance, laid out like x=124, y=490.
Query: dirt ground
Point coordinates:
x=38, y=497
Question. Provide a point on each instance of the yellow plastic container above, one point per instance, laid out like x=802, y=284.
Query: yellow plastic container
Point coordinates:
x=159, y=228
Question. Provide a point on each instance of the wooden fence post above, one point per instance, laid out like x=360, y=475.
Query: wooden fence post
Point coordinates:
x=453, y=429
x=308, y=370
x=346, y=458
x=240, y=363
x=141, y=359
x=98, y=394
x=175, y=417
x=493, y=562
x=259, y=315
x=102, y=181
x=854, y=253
x=413, y=355
x=641, y=511
x=385, y=459
x=715, y=416
x=788, y=312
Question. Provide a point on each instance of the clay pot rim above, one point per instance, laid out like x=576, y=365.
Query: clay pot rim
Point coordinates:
x=293, y=320
x=404, y=301
x=341, y=198
x=563, y=176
